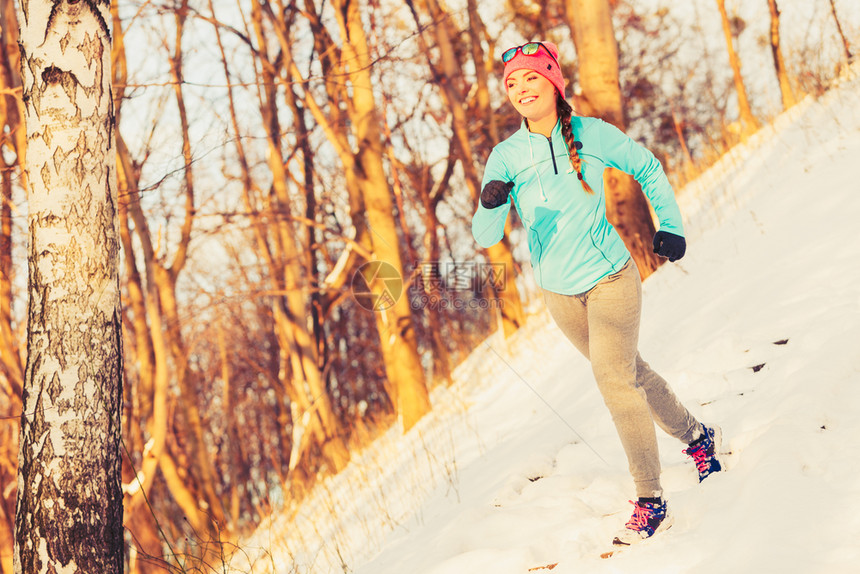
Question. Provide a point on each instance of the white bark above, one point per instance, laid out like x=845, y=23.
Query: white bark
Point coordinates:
x=69, y=514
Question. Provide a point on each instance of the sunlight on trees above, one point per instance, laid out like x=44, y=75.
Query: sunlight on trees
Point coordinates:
x=293, y=188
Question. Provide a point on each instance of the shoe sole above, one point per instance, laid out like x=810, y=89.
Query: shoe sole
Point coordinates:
x=717, y=441
x=718, y=445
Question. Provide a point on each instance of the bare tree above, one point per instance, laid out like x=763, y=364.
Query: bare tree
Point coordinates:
x=785, y=90
x=289, y=255
x=176, y=448
x=749, y=123
x=346, y=111
x=146, y=351
x=483, y=67
x=448, y=74
x=590, y=22
x=69, y=512
x=846, y=46
x=395, y=324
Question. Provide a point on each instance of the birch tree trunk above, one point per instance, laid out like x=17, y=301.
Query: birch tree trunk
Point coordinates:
x=785, y=90
x=597, y=52
x=749, y=124
x=69, y=512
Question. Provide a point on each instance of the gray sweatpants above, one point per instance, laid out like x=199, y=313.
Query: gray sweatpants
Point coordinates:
x=603, y=324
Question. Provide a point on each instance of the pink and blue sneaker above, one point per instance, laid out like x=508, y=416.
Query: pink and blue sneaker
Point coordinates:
x=650, y=516
x=705, y=451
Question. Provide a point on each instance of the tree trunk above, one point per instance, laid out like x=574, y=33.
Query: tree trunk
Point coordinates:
x=441, y=357
x=785, y=90
x=749, y=124
x=845, y=45
x=150, y=400
x=483, y=65
x=166, y=279
x=448, y=74
x=69, y=512
x=590, y=22
x=146, y=555
x=159, y=341
x=229, y=397
x=678, y=124
x=396, y=329
x=287, y=256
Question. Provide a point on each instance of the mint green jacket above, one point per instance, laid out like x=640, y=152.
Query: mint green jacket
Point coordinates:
x=572, y=244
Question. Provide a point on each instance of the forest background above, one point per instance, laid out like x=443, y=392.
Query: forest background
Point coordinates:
x=296, y=182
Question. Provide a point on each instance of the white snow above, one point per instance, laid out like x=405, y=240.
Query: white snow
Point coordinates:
x=519, y=465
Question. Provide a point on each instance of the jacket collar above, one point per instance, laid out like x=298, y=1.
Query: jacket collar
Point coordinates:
x=527, y=133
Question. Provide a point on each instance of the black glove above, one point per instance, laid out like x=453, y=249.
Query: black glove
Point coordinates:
x=669, y=245
x=496, y=193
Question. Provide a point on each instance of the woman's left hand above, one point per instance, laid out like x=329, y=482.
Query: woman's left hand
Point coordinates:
x=669, y=245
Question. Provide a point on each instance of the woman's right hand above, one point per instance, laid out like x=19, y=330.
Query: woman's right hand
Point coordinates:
x=495, y=193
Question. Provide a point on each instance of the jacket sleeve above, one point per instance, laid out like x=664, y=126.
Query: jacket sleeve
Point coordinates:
x=622, y=152
x=488, y=225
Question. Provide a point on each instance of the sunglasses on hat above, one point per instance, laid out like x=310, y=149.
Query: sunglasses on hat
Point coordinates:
x=530, y=49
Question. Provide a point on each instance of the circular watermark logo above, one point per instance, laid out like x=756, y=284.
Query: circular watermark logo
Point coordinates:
x=377, y=286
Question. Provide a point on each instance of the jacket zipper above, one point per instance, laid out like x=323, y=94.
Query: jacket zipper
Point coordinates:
x=552, y=155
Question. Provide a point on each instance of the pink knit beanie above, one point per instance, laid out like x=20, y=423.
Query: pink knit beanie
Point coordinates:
x=540, y=62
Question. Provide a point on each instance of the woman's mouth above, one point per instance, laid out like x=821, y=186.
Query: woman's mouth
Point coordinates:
x=528, y=100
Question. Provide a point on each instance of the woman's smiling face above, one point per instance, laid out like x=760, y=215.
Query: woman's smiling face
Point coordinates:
x=532, y=95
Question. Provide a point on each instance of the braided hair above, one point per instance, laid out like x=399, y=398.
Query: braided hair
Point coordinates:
x=565, y=111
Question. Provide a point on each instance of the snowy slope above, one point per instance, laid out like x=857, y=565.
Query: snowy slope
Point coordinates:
x=519, y=465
